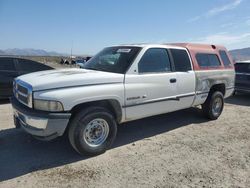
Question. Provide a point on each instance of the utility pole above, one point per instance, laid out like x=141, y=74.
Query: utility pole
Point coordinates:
x=71, y=51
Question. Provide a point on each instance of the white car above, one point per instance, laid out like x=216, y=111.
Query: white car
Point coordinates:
x=121, y=84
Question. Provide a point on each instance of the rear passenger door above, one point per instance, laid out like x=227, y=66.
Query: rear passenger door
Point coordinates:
x=185, y=77
x=7, y=74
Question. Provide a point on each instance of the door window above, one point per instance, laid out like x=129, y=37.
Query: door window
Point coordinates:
x=181, y=60
x=155, y=60
x=32, y=66
x=7, y=64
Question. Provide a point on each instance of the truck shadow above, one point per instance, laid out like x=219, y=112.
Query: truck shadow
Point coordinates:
x=20, y=154
x=239, y=99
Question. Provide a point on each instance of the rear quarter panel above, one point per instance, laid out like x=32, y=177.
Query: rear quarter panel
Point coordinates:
x=205, y=79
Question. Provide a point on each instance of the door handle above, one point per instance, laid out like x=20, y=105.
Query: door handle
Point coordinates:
x=173, y=80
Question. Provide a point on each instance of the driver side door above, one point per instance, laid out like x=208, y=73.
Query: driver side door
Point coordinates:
x=153, y=89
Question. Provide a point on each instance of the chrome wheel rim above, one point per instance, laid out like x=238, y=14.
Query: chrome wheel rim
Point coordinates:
x=96, y=132
x=217, y=106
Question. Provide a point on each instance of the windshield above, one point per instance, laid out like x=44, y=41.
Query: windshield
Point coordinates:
x=113, y=59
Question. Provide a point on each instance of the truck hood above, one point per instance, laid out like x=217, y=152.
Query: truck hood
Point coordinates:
x=69, y=78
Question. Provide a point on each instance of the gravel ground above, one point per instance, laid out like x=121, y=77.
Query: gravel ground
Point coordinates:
x=180, y=149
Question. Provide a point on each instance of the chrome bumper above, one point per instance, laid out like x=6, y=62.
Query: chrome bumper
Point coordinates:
x=36, y=122
x=44, y=125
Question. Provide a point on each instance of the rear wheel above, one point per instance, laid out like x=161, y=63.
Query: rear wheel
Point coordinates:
x=213, y=106
x=92, y=131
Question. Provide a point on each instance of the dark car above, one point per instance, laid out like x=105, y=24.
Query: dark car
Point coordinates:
x=242, y=82
x=11, y=67
x=88, y=58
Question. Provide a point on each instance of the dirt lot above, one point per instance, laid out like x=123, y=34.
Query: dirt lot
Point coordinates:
x=180, y=149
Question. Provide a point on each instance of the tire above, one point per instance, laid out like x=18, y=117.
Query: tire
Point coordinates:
x=214, y=105
x=92, y=131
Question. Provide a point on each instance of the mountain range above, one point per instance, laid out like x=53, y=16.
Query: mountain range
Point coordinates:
x=241, y=54
x=29, y=52
x=237, y=54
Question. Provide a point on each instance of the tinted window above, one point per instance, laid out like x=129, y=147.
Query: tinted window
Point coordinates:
x=202, y=60
x=181, y=60
x=113, y=59
x=32, y=66
x=214, y=60
x=7, y=64
x=225, y=58
x=208, y=60
x=242, y=67
x=154, y=60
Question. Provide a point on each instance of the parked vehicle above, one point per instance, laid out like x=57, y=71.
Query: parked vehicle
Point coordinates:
x=11, y=67
x=62, y=61
x=73, y=62
x=87, y=58
x=66, y=62
x=80, y=62
x=121, y=84
x=242, y=82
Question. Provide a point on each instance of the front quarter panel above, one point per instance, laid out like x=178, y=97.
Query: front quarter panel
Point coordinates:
x=72, y=96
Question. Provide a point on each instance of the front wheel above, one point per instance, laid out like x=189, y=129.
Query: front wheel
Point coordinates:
x=92, y=131
x=213, y=106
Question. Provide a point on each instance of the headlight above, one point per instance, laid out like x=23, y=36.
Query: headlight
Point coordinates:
x=45, y=105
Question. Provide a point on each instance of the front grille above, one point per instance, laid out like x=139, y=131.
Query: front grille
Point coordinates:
x=22, y=89
x=23, y=99
x=23, y=92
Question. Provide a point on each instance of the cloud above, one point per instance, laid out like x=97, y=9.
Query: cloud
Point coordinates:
x=229, y=6
x=194, y=19
x=243, y=22
x=248, y=21
x=217, y=10
x=224, y=39
x=231, y=24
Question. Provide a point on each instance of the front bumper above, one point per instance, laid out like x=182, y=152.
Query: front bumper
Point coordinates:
x=44, y=125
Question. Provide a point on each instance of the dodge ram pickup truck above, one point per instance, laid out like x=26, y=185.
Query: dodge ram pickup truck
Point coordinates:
x=121, y=84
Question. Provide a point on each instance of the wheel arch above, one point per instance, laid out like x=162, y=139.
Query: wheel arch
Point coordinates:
x=221, y=87
x=112, y=105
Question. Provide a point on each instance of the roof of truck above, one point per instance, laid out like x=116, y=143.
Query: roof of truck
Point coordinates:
x=142, y=45
x=193, y=50
x=198, y=46
x=190, y=46
x=205, y=48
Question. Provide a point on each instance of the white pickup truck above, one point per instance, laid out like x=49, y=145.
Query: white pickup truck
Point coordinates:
x=121, y=84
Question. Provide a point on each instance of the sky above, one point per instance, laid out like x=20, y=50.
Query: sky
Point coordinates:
x=88, y=26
